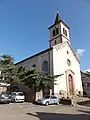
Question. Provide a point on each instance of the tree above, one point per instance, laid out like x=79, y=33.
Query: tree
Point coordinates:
x=6, y=60
x=10, y=72
x=29, y=77
x=6, y=64
x=38, y=79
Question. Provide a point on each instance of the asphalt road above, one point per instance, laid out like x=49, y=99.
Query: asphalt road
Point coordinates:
x=28, y=111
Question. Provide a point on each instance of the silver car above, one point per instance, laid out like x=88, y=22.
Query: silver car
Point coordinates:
x=5, y=98
x=49, y=99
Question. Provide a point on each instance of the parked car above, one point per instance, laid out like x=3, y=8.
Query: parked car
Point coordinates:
x=5, y=98
x=49, y=99
x=17, y=97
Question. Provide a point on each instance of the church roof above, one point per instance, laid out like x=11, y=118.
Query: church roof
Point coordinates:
x=47, y=50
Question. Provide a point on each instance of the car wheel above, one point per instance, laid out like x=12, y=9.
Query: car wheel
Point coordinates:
x=22, y=101
x=15, y=100
x=46, y=103
x=8, y=102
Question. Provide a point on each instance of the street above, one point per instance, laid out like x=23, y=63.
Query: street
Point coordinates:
x=29, y=111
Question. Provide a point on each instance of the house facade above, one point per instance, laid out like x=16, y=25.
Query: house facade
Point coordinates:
x=85, y=76
x=59, y=58
x=3, y=86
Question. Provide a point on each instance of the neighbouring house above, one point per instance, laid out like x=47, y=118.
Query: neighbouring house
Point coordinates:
x=4, y=87
x=59, y=58
x=85, y=76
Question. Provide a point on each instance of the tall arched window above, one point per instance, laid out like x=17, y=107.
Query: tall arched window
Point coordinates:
x=53, y=33
x=45, y=66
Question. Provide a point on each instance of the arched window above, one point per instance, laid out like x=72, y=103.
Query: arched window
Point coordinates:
x=45, y=66
x=63, y=31
x=33, y=65
x=66, y=32
x=57, y=31
x=53, y=33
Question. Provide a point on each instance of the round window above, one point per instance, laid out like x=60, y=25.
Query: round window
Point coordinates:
x=68, y=62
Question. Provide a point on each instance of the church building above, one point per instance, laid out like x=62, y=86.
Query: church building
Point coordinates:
x=59, y=58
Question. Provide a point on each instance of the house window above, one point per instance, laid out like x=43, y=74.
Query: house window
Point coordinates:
x=64, y=32
x=45, y=66
x=68, y=62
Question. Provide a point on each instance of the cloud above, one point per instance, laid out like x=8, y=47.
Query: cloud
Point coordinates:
x=80, y=52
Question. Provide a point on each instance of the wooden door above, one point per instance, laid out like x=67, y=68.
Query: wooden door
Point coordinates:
x=71, y=88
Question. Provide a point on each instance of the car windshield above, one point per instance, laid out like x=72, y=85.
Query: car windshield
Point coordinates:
x=21, y=94
x=5, y=94
x=47, y=96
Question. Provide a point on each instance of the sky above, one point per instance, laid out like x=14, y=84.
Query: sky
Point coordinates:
x=24, y=26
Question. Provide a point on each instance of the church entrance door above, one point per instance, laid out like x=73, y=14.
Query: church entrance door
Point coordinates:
x=70, y=82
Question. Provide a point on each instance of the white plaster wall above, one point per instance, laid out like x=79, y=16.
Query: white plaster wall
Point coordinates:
x=60, y=57
x=59, y=68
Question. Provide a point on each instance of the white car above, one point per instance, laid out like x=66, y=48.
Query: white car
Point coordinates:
x=17, y=97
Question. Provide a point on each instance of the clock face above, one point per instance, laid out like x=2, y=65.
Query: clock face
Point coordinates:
x=68, y=62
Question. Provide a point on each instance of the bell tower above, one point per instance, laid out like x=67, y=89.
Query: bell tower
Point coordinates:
x=59, y=32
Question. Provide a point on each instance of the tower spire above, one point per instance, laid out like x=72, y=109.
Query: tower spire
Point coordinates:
x=58, y=18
